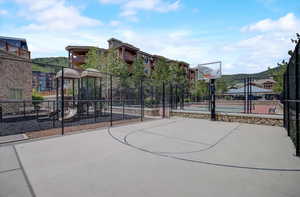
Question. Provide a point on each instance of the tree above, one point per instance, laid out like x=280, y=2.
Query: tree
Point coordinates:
x=93, y=59
x=278, y=76
x=137, y=72
x=200, y=88
x=221, y=86
x=278, y=73
x=178, y=74
x=161, y=72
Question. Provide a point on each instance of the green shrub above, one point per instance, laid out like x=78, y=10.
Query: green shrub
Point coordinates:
x=187, y=100
x=148, y=101
x=36, y=98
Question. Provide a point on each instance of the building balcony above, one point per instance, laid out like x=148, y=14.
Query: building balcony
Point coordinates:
x=78, y=59
x=14, y=50
x=129, y=57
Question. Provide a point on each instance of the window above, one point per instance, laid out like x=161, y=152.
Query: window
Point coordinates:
x=16, y=94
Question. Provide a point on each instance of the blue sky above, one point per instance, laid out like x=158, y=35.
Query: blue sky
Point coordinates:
x=247, y=35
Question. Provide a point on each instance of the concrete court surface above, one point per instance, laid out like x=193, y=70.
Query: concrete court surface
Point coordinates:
x=170, y=157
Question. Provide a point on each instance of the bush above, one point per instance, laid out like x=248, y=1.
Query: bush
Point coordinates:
x=149, y=101
x=187, y=100
x=36, y=98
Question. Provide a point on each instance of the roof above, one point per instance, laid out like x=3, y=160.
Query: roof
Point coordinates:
x=12, y=38
x=69, y=73
x=114, y=39
x=130, y=46
x=80, y=47
x=261, y=81
x=92, y=73
x=255, y=89
x=144, y=53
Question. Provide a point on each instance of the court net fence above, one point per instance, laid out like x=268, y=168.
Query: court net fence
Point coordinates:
x=292, y=98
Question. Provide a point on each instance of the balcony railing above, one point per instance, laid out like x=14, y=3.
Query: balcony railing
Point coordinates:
x=14, y=49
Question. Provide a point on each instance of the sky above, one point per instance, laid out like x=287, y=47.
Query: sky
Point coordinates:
x=248, y=36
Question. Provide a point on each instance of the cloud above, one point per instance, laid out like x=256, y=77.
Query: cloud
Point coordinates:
x=130, y=8
x=268, y=46
x=154, y=5
x=60, y=24
x=114, y=23
x=3, y=12
x=288, y=22
x=55, y=15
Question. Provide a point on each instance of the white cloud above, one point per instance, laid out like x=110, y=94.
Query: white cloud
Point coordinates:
x=112, y=1
x=154, y=5
x=114, y=23
x=55, y=15
x=3, y=12
x=288, y=22
x=268, y=46
x=130, y=8
x=267, y=43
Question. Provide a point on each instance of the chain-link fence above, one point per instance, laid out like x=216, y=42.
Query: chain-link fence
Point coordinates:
x=292, y=98
x=64, y=100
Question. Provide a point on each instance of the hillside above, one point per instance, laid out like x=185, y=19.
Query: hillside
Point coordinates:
x=238, y=78
x=63, y=61
x=47, y=64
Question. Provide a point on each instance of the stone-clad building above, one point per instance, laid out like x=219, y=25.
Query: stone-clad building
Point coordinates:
x=15, y=69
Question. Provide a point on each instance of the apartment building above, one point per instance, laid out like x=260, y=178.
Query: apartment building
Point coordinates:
x=42, y=81
x=128, y=52
x=15, y=69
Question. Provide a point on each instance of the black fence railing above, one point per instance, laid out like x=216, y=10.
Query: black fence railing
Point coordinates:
x=248, y=96
x=292, y=98
x=79, y=100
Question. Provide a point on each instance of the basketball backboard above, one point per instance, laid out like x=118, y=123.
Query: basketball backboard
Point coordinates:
x=211, y=70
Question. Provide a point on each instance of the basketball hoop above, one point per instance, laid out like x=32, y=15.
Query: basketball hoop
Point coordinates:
x=211, y=70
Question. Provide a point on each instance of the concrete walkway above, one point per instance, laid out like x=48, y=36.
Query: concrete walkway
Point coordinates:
x=171, y=157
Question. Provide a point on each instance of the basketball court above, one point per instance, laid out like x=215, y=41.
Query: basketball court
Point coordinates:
x=166, y=157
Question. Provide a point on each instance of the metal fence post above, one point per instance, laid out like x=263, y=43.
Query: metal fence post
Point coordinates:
x=171, y=96
x=287, y=100
x=284, y=101
x=163, y=100
x=1, y=115
x=62, y=103
x=182, y=98
x=245, y=95
x=123, y=106
x=176, y=96
x=57, y=97
x=111, y=100
x=213, y=100
x=53, y=116
x=141, y=98
x=250, y=99
x=24, y=110
x=297, y=100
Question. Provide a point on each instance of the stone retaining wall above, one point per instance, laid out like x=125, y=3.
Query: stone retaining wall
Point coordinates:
x=136, y=111
x=243, y=118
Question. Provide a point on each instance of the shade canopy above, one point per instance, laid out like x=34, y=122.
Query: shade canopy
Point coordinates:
x=92, y=73
x=255, y=90
x=69, y=73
